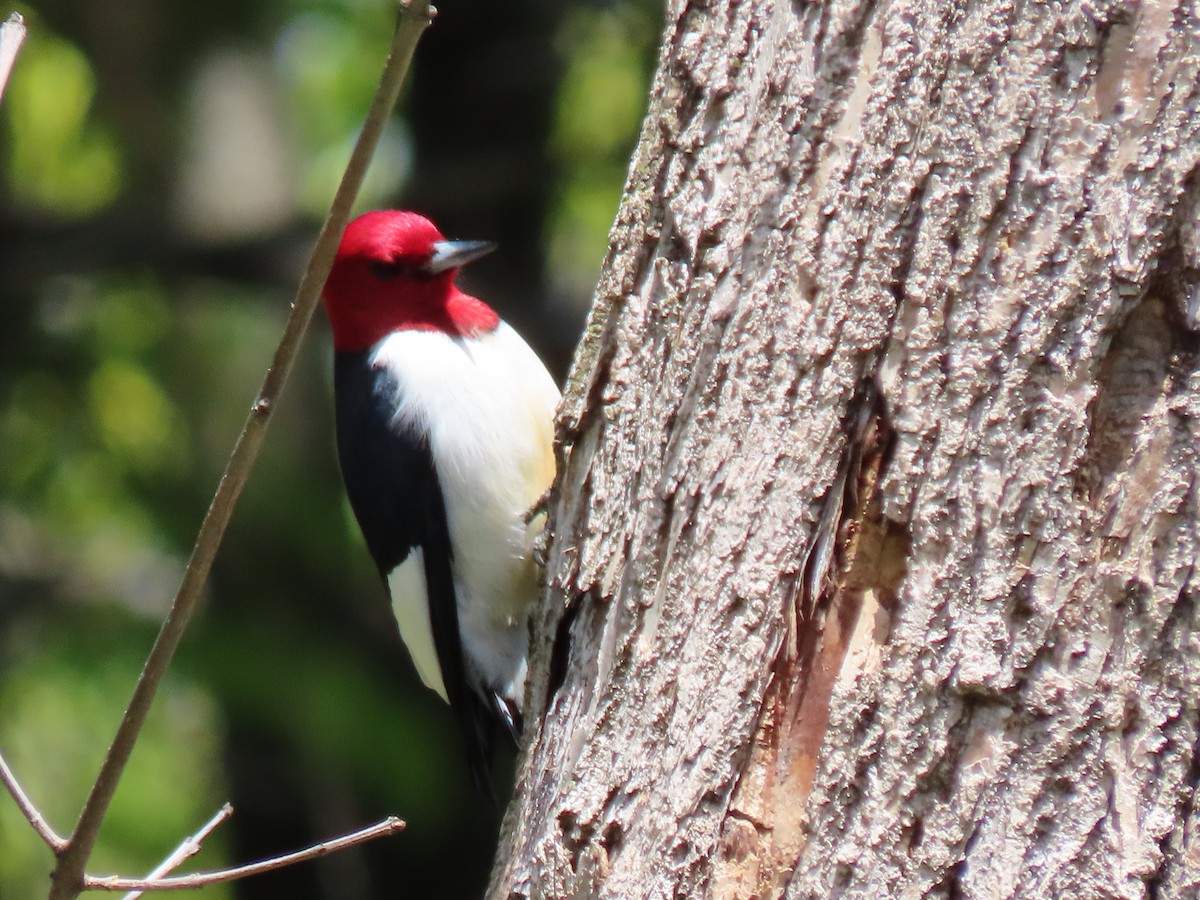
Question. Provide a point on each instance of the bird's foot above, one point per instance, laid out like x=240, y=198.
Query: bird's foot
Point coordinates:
x=539, y=506
x=541, y=541
x=541, y=548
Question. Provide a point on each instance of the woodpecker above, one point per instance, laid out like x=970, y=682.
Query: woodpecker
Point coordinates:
x=444, y=436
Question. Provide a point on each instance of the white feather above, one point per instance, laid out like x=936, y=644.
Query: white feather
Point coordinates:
x=406, y=584
x=487, y=404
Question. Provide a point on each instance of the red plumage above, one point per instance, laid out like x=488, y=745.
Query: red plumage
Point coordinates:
x=379, y=285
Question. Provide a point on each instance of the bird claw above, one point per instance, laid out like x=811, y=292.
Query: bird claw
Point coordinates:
x=541, y=541
x=541, y=548
x=539, y=506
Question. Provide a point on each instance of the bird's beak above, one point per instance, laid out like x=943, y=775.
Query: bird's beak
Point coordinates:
x=452, y=254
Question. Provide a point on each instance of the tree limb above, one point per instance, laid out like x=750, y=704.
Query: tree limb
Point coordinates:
x=390, y=825
x=32, y=815
x=188, y=848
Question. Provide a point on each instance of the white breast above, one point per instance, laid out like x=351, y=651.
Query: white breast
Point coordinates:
x=487, y=404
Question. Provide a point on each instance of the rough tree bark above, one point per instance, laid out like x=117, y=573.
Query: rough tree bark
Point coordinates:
x=872, y=561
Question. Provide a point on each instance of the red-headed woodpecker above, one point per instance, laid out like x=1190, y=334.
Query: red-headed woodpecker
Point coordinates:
x=444, y=434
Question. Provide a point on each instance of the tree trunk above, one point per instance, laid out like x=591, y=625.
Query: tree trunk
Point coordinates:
x=872, y=558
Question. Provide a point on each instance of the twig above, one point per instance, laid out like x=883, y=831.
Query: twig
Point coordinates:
x=68, y=875
x=12, y=36
x=189, y=848
x=31, y=813
x=390, y=825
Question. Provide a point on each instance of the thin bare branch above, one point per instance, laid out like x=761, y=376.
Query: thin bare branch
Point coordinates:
x=390, y=825
x=12, y=36
x=32, y=815
x=68, y=876
x=189, y=848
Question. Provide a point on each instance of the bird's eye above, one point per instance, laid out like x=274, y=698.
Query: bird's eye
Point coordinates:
x=386, y=271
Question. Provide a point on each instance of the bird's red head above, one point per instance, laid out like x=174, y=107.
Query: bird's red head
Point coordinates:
x=395, y=271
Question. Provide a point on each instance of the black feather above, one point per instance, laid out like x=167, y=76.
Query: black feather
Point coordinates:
x=393, y=487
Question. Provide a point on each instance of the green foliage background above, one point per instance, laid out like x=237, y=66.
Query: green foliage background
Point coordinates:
x=164, y=169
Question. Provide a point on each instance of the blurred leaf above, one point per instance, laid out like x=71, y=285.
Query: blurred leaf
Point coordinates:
x=603, y=96
x=601, y=102
x=130, y=315
x=331, y=61
x=136, y=420
x=62, y=160
x=39, y=407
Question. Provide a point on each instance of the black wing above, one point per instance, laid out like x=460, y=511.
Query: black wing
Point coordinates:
x=393, y=488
